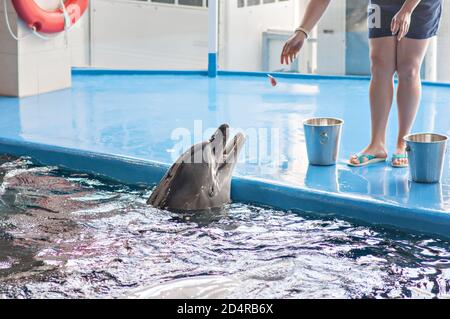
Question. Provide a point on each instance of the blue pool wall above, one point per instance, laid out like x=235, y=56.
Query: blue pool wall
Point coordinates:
x=141, y=172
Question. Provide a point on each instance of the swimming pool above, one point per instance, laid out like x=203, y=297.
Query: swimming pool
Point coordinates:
x=121, y=123
x=73, y=235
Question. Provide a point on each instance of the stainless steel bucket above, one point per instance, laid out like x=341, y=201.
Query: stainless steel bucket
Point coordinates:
x=426, y=154
x=323, y=136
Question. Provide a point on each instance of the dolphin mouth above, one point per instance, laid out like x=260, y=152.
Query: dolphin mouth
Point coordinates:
x=218, y=141
x=233, y=149
x=226, y=150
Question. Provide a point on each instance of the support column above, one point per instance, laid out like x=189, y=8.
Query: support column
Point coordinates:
x=31, y=65
x=213, y=34
x=443, y=48
x=431, y=70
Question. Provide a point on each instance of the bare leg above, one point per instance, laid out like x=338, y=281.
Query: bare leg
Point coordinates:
x=383, y=55
x=410, y=55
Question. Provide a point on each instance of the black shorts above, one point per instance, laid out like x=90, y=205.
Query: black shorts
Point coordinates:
x=424, y=21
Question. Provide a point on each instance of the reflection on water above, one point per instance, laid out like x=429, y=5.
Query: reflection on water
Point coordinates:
x=385, y=184
x=323, y=178
x=421, y=192
x=76, y=236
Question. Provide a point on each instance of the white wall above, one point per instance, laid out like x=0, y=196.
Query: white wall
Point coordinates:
x=9, y=76
x=79, y=40
x=331, y=40
x=140, y=35
x=241, y=31
x=133, y=35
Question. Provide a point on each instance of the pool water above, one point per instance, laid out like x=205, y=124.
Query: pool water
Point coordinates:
x=71, y=235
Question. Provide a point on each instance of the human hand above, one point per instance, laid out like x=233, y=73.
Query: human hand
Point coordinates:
x=292, y=47
x=401, y=23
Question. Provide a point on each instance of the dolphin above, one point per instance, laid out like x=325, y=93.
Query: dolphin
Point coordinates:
x=201, y=178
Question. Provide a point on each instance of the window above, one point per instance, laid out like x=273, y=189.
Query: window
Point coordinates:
x=189, y=3
x=251, y=3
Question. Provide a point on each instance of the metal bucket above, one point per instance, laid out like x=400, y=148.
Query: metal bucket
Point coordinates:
x=426, y=154
x=323, y=136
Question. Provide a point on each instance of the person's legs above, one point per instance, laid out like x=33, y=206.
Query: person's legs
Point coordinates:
x=410, y=55
x=383, y=56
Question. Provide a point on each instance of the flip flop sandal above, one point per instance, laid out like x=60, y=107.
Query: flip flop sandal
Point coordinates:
x=370, y=159
x=399, y=156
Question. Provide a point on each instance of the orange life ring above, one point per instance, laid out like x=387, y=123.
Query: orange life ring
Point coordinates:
x=49, y=21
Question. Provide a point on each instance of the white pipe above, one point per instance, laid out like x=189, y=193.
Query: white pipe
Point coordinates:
x=213, y=33
x=213, y=25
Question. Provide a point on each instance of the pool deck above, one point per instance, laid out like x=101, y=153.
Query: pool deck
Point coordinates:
x=127, y=125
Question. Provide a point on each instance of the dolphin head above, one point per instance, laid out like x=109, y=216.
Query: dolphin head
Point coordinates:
x=201, y=178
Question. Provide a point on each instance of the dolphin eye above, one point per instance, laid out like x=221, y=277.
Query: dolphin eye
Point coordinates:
x=211, y=191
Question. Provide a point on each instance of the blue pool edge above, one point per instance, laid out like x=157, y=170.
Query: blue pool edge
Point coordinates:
x=285, y=75
x=280, y=196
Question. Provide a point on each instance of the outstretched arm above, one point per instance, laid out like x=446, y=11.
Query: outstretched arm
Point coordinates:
x=314, y=11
